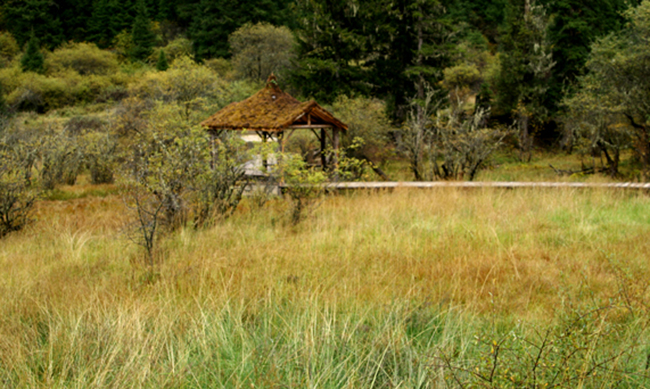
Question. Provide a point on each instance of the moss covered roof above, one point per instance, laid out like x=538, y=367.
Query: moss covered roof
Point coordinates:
x=272, y=110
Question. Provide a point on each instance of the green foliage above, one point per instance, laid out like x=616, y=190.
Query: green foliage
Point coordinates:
x=611, y=99
x=221, y=66
x=367, y=121
x=447, y=144
x=303, y=185
x=61, y=158
x=36, y=92
x=84, y=58
x=261, y=49
x=123, y=45
x=17, y=194
x=383, y=48
x=177, y=48
x=33, y=60
x=186, y=83
x=161, y=64
x=220, y=181
x=143, y=37
x=176, y=173
x=575, y=25
x=212, y=21
x=526, y=63
x=100, y=155
x=8, y=48
x=27, y=18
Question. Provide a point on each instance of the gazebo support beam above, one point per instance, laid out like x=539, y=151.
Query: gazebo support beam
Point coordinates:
x=310, y=126
x=323, y=145
x=335, y=145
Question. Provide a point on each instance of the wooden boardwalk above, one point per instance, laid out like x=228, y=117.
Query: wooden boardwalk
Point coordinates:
x=485, y=184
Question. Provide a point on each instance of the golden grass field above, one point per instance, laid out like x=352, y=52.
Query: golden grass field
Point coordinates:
x=409, y=288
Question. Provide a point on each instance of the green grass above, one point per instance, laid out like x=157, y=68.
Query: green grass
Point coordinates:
x=410, y=289
x=505, y=166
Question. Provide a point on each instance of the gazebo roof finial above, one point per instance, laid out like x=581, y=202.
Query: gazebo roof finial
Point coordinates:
x=272, y=82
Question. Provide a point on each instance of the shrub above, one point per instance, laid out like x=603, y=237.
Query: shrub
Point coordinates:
x=219, y=183
x=178, y=48
x=8, y=48
x=83, y=58
x=61, y=159
x=367, y=121
x=303, y=185
x=261, y=49
x=186, y=83
x=221, y=66
x=447, y=144
x=17, y=195
x=98, y=147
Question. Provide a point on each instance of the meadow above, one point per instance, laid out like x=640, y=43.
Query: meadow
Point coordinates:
x=397, y=289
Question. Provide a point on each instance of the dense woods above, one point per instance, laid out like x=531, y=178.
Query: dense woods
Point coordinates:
x=532, y=71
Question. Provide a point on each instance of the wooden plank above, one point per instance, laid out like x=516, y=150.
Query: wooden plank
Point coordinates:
x=310, y=126
x=495, y=184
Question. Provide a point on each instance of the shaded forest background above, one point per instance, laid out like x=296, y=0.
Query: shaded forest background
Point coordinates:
x=521, y=64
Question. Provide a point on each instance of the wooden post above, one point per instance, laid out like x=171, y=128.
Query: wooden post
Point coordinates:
x=282, y=140
x=323, y=145
x=335, y=141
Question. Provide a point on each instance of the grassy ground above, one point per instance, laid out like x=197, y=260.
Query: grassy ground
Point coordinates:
x=409, y=289
x=505, y=166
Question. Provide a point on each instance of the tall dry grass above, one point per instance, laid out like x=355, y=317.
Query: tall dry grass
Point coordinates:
x=372, y=291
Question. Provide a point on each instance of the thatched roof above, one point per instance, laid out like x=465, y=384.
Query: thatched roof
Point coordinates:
x=271, y=110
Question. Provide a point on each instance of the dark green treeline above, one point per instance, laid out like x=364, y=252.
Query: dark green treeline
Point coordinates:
x=390, y=49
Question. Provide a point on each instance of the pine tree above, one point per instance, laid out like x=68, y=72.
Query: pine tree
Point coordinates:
x=143, y=37
x=162, y=64
x=20, y=17
x=213, y=21
x=33, y=59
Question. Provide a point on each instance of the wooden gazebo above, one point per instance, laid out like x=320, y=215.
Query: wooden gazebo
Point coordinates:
x=272, y=112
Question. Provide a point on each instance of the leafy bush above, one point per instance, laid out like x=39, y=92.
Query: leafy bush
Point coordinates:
x=261, y=49
x=221, y=66
x=447, y=144
x=8, y=48
x=186, y=83
x=61, y=159
x=367, y=121
x=41, y=93
x=303, y=185
x=175, y=173
x=178, y=48
x=83, y=58
x=219, y=183
x=17, y=195
x=98, y=147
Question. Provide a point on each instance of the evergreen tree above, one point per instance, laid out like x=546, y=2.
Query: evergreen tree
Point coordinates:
x=526, y=64
x=386, y=48
x=143, y=37
x=101, y=24
x=212, y=21
x=33, y=59
x=576, y=24
x=333, y=47
x=39, y=16
x=162, y=64
x=75, y=16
